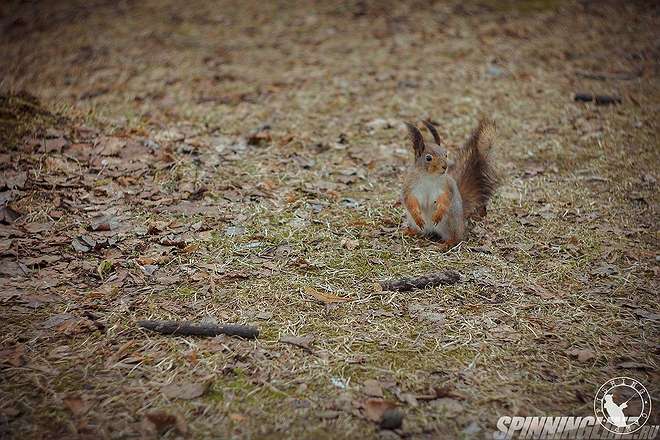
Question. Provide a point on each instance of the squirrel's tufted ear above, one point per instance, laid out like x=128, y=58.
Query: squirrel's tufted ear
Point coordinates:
x=434, y=132
x=416, y=138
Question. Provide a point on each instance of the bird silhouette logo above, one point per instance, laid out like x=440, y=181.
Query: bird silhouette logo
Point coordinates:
x=622, y=405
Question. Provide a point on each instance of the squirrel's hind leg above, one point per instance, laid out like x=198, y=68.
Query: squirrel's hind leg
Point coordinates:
x=454, y=225
x=446, y=245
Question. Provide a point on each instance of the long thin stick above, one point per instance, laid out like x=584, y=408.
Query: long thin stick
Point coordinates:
x=422, y=282
x=187, y=328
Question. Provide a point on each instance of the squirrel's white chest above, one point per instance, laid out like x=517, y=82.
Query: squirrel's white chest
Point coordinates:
x=427, y=191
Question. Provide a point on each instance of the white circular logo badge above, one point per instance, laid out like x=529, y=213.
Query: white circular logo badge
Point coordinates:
x=622, y=405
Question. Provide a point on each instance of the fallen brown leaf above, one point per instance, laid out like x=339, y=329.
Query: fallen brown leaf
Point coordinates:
x=77, y=405
x=104, y=223
x=36, y=228
x=13, y=357
x=543, y=293
x=191, y=248
x=630, y=365
x=349, y=243
x=374, y=409
x=185, y=391
x=646, y=314
x=8, y=215
x=326, y=298
x=372, y=388
x=39, y=261
x=582, y=354
x=238, y=418
x=162, y=421
x=80, y=246
x=13, y=268
x=450, y=407
x=56, y=320
x=299, y=341
x=13, y=181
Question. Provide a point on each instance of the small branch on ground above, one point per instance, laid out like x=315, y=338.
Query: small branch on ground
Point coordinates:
x=421, y=282
x=599, y=99
x=624, y=76
x=187, y=328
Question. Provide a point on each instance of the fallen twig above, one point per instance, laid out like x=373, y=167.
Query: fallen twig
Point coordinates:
x=599, y=99
x=421, y=282
x=624, y=76
x=187, y=328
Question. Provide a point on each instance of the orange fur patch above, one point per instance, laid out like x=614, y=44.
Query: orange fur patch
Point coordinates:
x=412, y=204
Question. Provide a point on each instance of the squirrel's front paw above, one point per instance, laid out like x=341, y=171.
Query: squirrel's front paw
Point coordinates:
x=410, y=231
x=447, y=245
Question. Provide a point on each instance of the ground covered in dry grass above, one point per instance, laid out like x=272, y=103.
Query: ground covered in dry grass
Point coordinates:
x=240, y=162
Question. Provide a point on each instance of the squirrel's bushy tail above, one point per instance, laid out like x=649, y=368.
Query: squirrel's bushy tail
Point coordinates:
x=473, y=170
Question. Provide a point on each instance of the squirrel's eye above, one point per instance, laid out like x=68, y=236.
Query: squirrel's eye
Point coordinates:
x=428, y=158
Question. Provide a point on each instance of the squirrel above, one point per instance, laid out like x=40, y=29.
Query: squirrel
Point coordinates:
x=439, y=194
